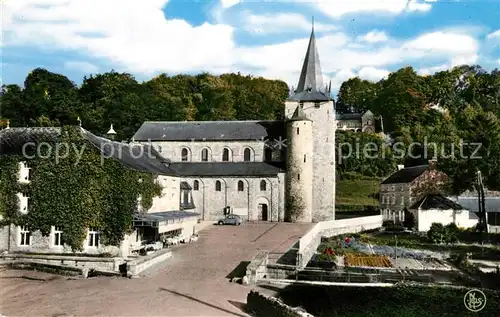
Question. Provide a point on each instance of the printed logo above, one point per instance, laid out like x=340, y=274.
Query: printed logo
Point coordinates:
x=475, y=300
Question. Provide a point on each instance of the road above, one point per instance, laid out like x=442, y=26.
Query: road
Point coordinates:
x=194, y=282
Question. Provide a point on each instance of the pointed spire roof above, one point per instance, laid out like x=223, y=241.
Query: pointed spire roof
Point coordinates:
x=311, y=86
x=311, y=76
x=299, y=115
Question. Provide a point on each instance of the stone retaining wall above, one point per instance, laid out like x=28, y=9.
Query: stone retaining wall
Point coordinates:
x=309, y=243
x=257, y=268
x=135, y=267
x=90, y=263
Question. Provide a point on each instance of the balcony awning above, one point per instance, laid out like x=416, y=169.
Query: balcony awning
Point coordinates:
x=158, y=219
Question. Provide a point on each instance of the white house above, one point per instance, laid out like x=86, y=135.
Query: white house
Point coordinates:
x=436, y=208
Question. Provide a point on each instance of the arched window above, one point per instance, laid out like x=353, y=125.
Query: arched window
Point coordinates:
x=241, y=186
x=268, y=154
x=204, y=155
x=263, y=185
x=217, y=186
x=246, y=155
x=196, y=185
x=297, y=130
x=225, y=155
x=184, y=155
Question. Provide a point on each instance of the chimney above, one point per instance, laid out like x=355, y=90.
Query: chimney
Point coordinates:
x=400, y=167
x=433, y=163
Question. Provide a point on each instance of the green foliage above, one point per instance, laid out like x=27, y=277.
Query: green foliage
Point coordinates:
x=468, y=96
x=363, y=153
x=76, y=193
x=9, y=187
x=443, y=234
x=402, y=300
x=410, y=221
x=102, y=99
x=356, y=192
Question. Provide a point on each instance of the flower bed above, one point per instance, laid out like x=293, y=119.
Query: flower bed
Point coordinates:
x=366, y=260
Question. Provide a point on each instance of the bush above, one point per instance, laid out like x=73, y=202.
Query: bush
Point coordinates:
x=443, y=234
x=410, y=221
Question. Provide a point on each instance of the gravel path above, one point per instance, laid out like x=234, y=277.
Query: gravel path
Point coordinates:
x=193, y=282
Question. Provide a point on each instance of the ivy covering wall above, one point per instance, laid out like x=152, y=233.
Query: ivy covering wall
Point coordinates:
x=76, y=193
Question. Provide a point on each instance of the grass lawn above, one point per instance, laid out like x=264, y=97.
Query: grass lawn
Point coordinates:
x=355, y=194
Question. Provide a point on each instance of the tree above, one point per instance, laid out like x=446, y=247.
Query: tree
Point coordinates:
x=356, y=95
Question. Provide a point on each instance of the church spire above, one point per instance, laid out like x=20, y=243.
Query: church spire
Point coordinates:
x=311, y=77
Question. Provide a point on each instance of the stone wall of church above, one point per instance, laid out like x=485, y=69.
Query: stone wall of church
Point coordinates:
x=210, y=202
x=324, y=127
x=173, y=150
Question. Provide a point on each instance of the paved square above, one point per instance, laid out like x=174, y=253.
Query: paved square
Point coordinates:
x=192, y=283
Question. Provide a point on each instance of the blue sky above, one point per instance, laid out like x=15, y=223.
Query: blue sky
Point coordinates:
x=365, y=38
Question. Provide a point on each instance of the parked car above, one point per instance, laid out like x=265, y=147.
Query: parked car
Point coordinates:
x=230, y=220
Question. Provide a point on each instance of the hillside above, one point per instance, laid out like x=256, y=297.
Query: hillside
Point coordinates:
x=356, y=194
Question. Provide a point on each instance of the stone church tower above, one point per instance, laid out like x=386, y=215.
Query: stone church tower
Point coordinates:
x=310, y=107
x=299, y=173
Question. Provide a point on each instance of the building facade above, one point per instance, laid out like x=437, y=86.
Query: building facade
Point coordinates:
x=359, y=122
x=170, y=213
x=256, y=167
x=406, y=186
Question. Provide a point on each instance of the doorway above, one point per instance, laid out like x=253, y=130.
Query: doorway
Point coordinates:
x=263, y=212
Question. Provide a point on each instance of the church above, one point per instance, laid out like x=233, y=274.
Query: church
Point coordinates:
x=260, y=170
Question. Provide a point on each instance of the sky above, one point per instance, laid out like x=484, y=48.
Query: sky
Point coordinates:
x=364, y=38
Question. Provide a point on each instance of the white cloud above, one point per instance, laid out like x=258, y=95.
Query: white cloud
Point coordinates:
x=226, y=4
x=137, y=37
x=374, y=37
x=280, y=23
x=439, y=43
x=494, y=35
x=372, y=73
x=338, y=8
x=414, y=5
x=82, y=66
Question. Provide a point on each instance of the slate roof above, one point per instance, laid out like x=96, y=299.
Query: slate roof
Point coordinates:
x=310, y=96
x=492, y=204
x=137, y=157
x=349, y=116
x=209, y=169
x=209, y=130
x=299, y=115
x=311, y=76
x=436, y=201
x=12, y=140
x=406, y=175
